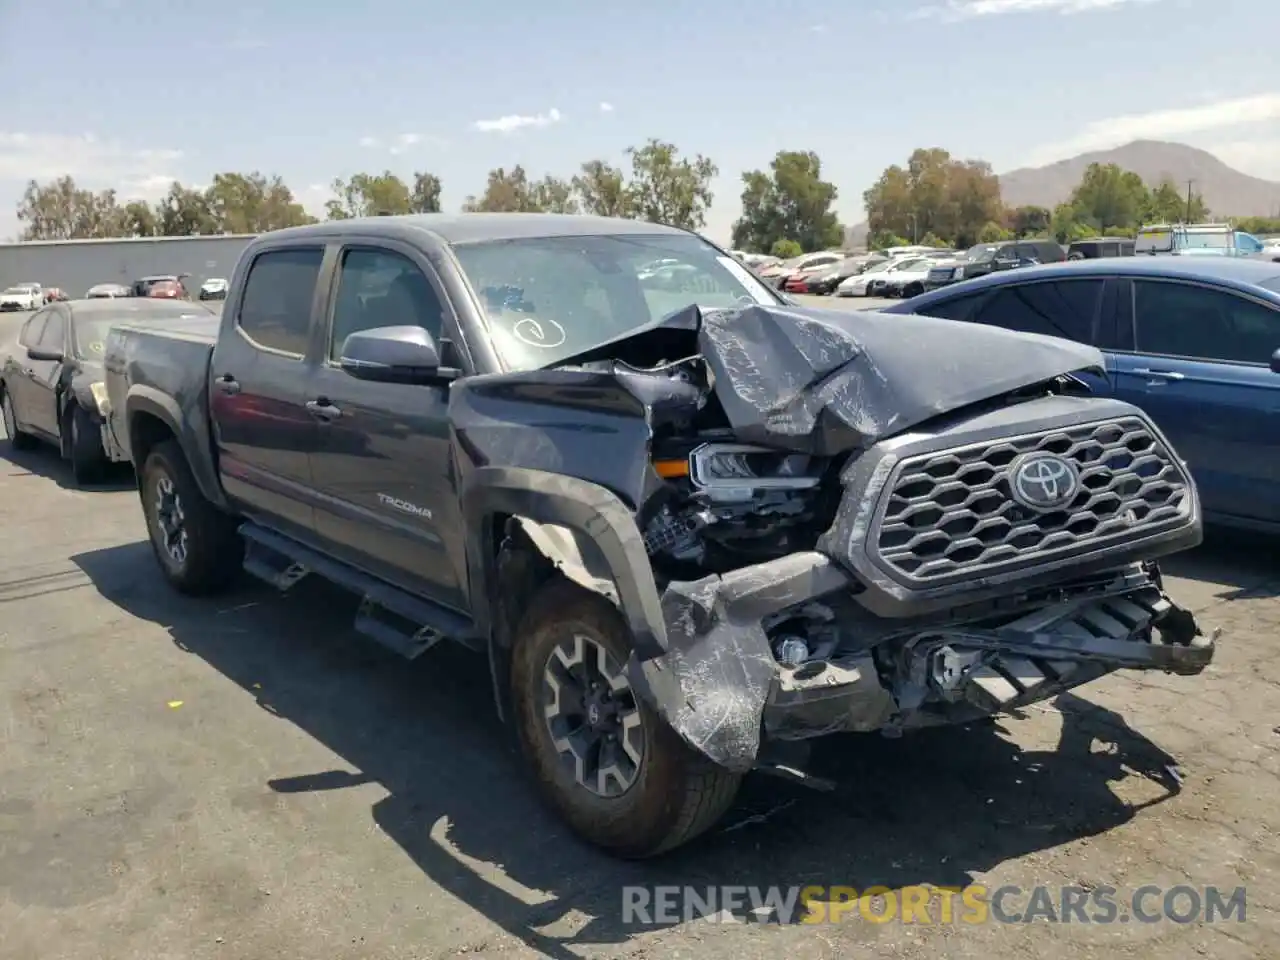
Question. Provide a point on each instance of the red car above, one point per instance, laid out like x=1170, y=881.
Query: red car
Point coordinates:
x=167, y=290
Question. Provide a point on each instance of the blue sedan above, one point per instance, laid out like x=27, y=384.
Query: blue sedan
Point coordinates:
x=1194, y=341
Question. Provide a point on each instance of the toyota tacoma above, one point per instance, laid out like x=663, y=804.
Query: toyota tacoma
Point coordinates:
x=689, y=526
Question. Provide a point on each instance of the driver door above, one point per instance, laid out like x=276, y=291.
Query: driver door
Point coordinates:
x=42, y=382
x=382, y=467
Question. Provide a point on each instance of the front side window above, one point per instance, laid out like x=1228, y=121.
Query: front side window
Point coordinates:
x=1183, y=320
x=275, y=311
x=547, y=298
x=380, y=288
x=54, y=335
x=1063, y=308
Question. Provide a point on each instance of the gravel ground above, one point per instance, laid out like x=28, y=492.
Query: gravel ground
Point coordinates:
x=245, y=778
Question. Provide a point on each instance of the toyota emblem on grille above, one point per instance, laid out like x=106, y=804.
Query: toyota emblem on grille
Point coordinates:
x=1044, y=481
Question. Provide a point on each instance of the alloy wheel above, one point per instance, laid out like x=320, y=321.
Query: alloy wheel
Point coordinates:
x=592, y=716
x=171, y=522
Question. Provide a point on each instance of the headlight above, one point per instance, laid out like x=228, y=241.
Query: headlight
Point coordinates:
x=733, y=472
x=99, y=391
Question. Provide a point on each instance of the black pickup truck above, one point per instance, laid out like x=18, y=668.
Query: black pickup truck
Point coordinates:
x=689, y=526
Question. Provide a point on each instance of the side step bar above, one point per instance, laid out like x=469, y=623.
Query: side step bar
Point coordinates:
x=401, y=622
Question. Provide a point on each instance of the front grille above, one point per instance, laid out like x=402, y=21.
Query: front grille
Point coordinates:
x=950, y=515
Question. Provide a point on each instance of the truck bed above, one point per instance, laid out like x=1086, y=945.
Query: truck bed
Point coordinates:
x=165, y=364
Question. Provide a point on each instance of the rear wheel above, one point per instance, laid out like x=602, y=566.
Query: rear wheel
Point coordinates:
x=18, y=439
x=600, y=757
x=196, y=544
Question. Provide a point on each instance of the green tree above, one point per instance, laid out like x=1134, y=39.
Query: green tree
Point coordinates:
x=1168, y=204
x=553, y=195
x=185, y=212
x=253, y=203
x=935, y=193
x=667, y=188
x=368, y=195
x=60, y=210
x=1029, y=221
x=1259, y=225
x=932, y=240
x=993, y=232
x=603, y=190
x=785, y=249
x=424, y=196
x=506, y=191
x=140, y=220
x=792, y=201
x=1109, y=194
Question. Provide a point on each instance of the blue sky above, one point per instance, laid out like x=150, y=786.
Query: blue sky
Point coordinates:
x=134, y=93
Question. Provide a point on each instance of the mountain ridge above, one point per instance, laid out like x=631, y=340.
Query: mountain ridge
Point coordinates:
x=1226, y=191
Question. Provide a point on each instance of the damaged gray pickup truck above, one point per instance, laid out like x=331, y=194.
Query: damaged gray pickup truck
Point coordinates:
x=689, y=524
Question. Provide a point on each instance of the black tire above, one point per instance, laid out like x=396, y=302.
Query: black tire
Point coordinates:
x=17, y=438
x=676, y=794
x=914, y=290
x=212, y=551
x=83, y=444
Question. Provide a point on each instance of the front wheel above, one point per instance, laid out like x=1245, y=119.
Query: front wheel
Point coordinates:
x=600, y=756
x=196, y=544
x=84, y=445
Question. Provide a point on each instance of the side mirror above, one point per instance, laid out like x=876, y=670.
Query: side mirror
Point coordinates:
x=1275, y=362
x=39, y=353
x=394, y=355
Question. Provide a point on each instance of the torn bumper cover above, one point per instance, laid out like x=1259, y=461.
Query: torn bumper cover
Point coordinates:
x=721, y=688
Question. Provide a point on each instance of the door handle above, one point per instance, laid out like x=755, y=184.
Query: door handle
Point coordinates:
x=228, y=384
x=1160, y=374
x=322, y=409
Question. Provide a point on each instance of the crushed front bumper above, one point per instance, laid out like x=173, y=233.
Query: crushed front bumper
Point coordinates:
x=719, y=685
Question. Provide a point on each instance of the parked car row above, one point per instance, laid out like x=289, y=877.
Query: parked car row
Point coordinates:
x=29, y=296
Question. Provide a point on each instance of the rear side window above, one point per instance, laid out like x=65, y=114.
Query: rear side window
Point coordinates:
x=957, y=308
x=275, y=311
x=1061, y=308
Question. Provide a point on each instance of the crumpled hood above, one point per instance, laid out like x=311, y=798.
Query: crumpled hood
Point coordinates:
x=828, y=381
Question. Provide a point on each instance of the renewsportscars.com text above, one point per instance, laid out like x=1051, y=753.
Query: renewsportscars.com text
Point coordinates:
x=927, y=904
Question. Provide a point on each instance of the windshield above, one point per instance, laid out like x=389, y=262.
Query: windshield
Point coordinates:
x=983, y=251
x=548, y=298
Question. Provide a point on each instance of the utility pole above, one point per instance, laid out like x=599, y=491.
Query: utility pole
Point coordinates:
x=1189, y=183
x=915, y=229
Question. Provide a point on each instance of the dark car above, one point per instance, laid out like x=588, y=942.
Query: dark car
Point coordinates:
x=685, y=528
x=1193, y=341
x=825, y=283
x=1096, y=247
x=986, y=258
x=51, y=379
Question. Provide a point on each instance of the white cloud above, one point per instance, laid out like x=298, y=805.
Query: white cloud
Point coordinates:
x=369, y=141
x=516, y=121
x=969, y=9
x=135, y=173
x=1179, y=122
x=606, y=107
